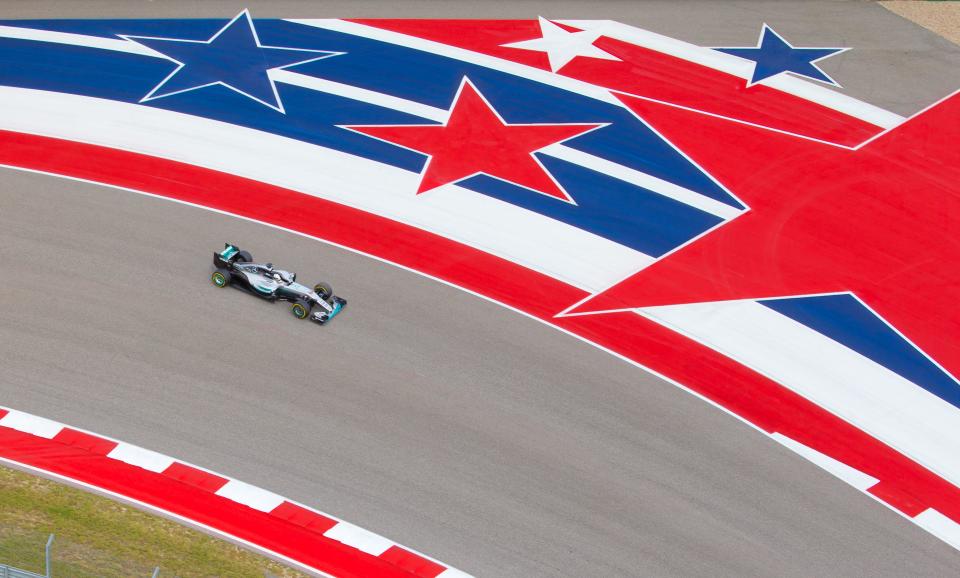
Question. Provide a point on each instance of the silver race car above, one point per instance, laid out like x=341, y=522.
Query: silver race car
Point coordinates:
x=236, y=267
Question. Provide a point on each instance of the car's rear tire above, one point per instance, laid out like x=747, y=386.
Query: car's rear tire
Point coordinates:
x=221, y=277
x=300, y=309
x=324, y=290
x=244, y=257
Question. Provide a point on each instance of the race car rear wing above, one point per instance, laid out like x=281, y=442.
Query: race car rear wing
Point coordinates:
x=224, y=258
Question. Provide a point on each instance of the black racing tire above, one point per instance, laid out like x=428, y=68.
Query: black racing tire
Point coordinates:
x=221, y=277
x=244, y=257
x=324, y=290
x=300, y=309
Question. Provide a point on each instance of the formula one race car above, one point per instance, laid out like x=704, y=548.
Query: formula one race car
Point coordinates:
x=236, y=267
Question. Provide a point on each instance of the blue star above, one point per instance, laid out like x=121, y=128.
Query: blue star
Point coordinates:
x=774, y=55
x=233, y=58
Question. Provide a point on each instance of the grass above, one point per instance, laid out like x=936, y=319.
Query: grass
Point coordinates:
x=99, y=538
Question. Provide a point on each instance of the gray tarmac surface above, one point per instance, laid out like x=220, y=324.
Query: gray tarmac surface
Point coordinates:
x=440, y=420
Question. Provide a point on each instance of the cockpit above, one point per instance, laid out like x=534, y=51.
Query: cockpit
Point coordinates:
x=278, y=275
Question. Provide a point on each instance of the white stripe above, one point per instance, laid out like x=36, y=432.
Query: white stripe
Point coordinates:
x=113, y=44
x=453, y=573
x=649, y=182
x=357, y=537
x=360, y=94
x=897, y=412
x=525, y=237
x=137, y=456
x=733, y=65
x=244, y=493
x=940, y=526
x=852, y=476
x=31, y=424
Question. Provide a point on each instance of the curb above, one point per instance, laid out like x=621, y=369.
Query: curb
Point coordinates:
x=268, y=522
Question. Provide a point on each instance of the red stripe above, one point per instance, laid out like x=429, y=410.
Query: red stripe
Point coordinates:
x=84, y=441
x=760, y=401
x=195, y=477
x=414, y=563
x=303, y=517
x=891, y=495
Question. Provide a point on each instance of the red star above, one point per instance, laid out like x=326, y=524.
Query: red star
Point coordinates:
x=476, y=140
x=881, y=220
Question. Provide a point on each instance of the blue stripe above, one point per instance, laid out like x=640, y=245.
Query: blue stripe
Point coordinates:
x=845, y=320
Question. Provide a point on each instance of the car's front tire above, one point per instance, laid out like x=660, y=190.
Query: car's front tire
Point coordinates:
x=244, y=257
x=324, y=290
x=221, y=277
x=300, y=309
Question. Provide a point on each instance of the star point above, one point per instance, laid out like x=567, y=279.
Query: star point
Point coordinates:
x=562, y=46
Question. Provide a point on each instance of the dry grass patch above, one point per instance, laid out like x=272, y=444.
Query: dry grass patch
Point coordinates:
x=99, y=538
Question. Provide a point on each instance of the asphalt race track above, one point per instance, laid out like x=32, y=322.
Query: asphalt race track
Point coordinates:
x=424, y=413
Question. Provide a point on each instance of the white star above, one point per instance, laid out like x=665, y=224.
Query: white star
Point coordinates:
x=562, y=46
